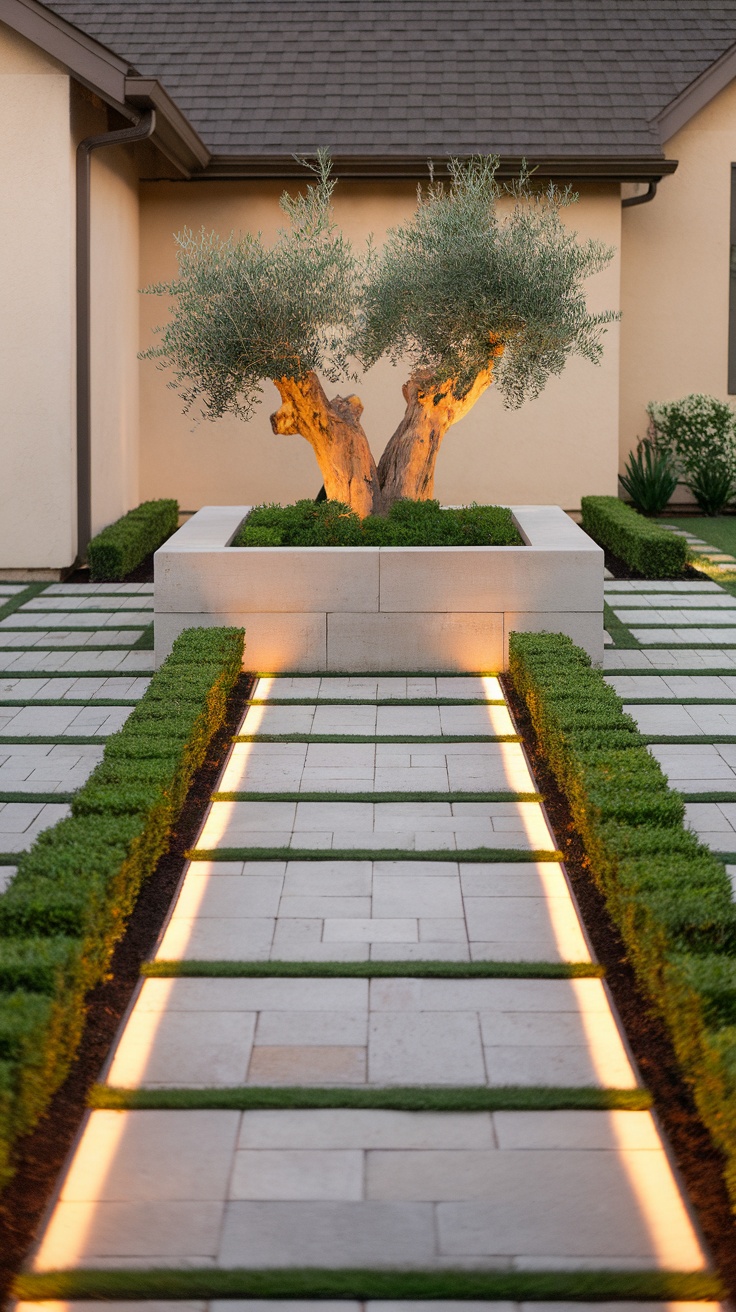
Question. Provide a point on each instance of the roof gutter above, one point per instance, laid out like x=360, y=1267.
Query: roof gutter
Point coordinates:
x=649, y=194
x=141, y=130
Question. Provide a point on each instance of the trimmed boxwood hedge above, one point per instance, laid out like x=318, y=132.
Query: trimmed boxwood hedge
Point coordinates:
x=122, y=546
x=653, y=551
x=74, y=890
x=668, y=894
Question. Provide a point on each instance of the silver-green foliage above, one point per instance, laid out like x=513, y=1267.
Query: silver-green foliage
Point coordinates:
x=243, y=312
x=448, y=285
x=700, y=433
x=460, y=276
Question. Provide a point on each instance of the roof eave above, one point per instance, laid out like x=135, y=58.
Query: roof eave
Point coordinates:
x=111, y=78
x=89, y=62
x=564, y=167
x=704, y=88
x=174, y=135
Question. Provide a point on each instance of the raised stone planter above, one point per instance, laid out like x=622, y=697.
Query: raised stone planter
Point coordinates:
x=381, y=608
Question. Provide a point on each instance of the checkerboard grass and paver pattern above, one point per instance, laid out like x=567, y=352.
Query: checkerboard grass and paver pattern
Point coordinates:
x=71, y=670
x=674, y=665
x=253, y=1123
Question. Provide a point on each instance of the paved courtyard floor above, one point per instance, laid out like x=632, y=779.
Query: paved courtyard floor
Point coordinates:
x=344, y=869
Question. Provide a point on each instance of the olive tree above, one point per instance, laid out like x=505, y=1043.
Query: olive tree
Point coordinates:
x=465, y=294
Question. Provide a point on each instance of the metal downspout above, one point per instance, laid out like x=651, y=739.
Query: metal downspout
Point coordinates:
x=139, y=132
x=641, y=200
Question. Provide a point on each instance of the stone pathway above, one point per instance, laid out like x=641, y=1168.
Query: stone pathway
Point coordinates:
x=370, y=954
x=68, y=679
x=679, y=685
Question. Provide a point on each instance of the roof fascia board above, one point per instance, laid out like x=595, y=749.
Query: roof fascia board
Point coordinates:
x=603, y=168
x=697, y=95
x=89, y=62
x=174, y=136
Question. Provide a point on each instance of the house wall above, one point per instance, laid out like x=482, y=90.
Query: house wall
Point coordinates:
x=37, y=477
x=554, y=449
x=675, y=274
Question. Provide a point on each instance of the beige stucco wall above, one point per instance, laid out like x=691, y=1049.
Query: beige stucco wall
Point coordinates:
x=555, y=449
x=37, y=477
x=675, y=274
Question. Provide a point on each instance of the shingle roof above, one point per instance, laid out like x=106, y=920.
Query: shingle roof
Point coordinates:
x=407, y=77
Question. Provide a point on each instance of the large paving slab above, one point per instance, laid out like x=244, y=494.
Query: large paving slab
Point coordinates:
x=409, y=826
x=71, y=604
x=672, y=604
x=46, y=767
x=59, y=721
x=73, y=619
x=376, y=767
x=372, y=720
x=714, y=823
x=71, y=662
x=22, y=822
x=698, y=767
x=370, y=1189
x=358, y=687
x=683, y=636
x=95, y=589
x=68, y=689
x=377, y=910
x=694, y=658
x=204, y=1032
x=52, y=638
x=675, y=686
x=676, y=586
x=710, y=720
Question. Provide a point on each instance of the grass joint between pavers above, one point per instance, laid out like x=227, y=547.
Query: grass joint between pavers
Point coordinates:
x=417, y=1098
x=209, y=1282
x=167, y=969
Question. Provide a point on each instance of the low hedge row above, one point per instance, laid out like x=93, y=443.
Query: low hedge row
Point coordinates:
x=122, y=546
x=74, y=890
x=668, y=894
x=646, y=547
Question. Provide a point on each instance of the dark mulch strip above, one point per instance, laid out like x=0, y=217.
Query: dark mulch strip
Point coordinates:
x=700, y=1163
x=41, y=1155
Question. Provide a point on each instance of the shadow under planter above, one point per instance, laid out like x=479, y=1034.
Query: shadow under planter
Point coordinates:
x=381, y=609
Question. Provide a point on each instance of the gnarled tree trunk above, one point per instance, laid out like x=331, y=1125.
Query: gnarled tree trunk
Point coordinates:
x=334, y=431
x=406, y=468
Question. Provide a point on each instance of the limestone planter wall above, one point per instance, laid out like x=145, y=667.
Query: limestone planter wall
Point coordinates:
x=380, y=608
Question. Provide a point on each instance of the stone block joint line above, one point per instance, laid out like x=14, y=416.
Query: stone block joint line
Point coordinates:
x=387, y=1065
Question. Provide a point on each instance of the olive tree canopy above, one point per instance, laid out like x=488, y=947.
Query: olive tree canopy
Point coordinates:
x=465, y=294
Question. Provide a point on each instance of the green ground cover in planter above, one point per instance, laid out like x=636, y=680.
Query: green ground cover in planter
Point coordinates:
x=408, y=524
x=668, y=894
x=640, y=543
x=122, y=546
x=70, y=900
